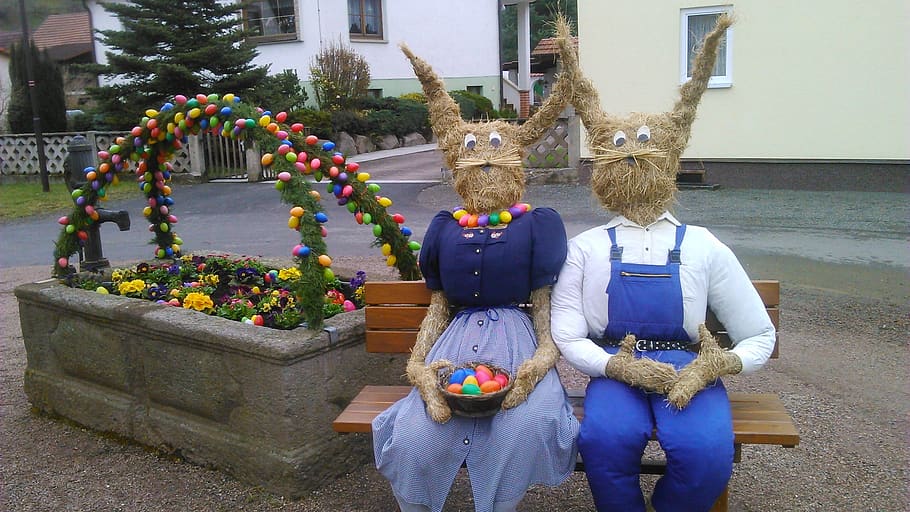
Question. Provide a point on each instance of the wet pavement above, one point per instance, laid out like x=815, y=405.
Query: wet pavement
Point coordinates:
x=865, y=233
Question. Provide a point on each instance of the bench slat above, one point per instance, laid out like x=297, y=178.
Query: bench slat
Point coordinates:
x=758, y=418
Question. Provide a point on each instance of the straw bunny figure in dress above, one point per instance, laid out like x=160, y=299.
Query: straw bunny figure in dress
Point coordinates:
x=481, y=261
x=644, y=282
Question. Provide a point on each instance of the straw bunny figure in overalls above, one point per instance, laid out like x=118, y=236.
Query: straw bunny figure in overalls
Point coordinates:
x=481, y=261
x=630, y=304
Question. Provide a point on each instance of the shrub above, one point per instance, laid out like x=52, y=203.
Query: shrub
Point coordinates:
x=283, y=91
x=349, y=121
x=339, y=76
x=419, y=97
x=315, y=122
x=474, y=106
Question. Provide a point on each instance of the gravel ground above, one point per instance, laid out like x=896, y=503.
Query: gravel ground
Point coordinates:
x=842, y=375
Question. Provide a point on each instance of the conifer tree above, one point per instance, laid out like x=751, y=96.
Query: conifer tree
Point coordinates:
x=169, y=47
x=48, y=88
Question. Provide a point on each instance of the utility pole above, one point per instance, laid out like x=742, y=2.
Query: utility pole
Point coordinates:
x=33, y=97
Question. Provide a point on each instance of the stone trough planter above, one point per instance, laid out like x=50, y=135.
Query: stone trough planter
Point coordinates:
x=255, y=402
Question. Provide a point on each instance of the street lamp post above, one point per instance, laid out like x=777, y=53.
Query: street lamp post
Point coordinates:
x=33, y=97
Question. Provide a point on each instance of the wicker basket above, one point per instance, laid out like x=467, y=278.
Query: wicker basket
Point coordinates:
x=474, y=406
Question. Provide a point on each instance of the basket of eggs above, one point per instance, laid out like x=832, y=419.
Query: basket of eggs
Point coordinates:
x=475, y=390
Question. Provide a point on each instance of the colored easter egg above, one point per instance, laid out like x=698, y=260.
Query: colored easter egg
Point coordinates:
x=501, y=379
x=414, y=246
x=348, y=305
x=398, y=218
x=363, y=176
x=324, y=260
x=321, y=217
x=267, y=159
x=315, y=163
x=386, y=249
x=297, y=211
x=297, y=127
x=367, y=218
x=281, y=117
x=258, y=320
x=483, y=377
x=284, y=176
x=482, y=368
x=328, y=145
x=70, y=229
x=454, y=388
x=470, y=389
x=391, y=260
x=353, y=166
x=377, y=230
x=470, y=379
x=63, y=220
x=63, y=262
x=312, y=139
x=327, y=274
x=102, y=290
x=490, y=386
x=294, y=222
x=458, y=376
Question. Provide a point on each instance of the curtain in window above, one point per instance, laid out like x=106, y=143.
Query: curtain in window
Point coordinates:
x=699, y=27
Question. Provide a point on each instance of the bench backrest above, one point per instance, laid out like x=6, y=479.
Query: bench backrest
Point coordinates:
x=394, y=310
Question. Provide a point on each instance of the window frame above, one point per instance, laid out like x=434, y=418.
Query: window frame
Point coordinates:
x=270, y=38
x=362, y=35
x=716, y=81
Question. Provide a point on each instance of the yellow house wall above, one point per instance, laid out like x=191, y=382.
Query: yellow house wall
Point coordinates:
x=812, y=79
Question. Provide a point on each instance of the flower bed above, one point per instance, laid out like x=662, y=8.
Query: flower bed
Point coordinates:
x=243, y=289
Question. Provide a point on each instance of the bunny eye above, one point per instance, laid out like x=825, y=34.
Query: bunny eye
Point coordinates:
x=619, y=139
x=495, y=139
x=644, y=134
x=470, y=141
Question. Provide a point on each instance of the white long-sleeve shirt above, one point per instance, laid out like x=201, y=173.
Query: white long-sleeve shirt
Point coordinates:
x=710, y=276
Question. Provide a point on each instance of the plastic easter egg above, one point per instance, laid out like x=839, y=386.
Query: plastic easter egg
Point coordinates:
x=454, y=388
x=279, y=185
x=70, y=229
x=164, y=227
x=483, y=377
x=293, y=222
x=337, y=159
x=315, y=194
x=363, y=177
x=315, y=163
x=470, y=379
x=398, y=218
x=358, y=217
x=391, y=260
x=267, y=159
x=406, y=231
x=281, y=134
x=490, y=386
x=297, y=127
x=297, y=211
x=312, y=139
x=195, y=112
x=324, y=260
x=385, y=201
x=386, y=249
x=327, y=274
x=328, y=145
x=373, y=187
x=225, y=111
x=367, y=218
x=63, y=220
x=284, y=149
x=281, y=117
x=501, y=379
x=414, y=246
x=347, y=190
x=264, y=121
x=458, y=376
x=284, y=176
x=377, y=230
x=63, y=262
x=258, y=320
x=353, y=166
x=291, y=157
x=482, y=368
x=321, y=217
x=351, y=206
x=505, y=217
x=348, y=305
x=300, y=166
x=470, y=389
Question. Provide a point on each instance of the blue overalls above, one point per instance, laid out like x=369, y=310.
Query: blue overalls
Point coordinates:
x=646, y=300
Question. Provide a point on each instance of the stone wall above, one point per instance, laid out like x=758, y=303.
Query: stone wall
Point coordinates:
x=255, y=402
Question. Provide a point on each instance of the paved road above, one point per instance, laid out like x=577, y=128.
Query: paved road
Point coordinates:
x=844, y=239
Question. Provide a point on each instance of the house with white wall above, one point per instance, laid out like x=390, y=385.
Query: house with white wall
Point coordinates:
x=814, y=84
x=462, y=44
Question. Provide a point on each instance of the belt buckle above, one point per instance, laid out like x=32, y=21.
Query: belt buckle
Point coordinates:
x=639, y=347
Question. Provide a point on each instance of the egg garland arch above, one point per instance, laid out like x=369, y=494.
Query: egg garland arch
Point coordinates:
x=300, y=159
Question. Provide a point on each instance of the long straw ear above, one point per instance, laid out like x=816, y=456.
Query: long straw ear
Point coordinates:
x=585, y=97
x=538, y=124
x=444, y=112
x=690, y=93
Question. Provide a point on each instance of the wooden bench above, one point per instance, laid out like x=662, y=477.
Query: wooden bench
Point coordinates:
x=394, y=310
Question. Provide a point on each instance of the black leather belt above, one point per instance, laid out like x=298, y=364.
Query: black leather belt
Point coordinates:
x=649, y=345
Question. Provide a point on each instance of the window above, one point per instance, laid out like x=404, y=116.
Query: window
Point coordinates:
x=475, y=89
x=271, y=20
x=695, y=24
x=365, y=18
x=374, y=93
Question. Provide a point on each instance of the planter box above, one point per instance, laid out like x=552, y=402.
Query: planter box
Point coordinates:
x=255, y=402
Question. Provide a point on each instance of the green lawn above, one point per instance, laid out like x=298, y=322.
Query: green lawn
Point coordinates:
x=19, y=200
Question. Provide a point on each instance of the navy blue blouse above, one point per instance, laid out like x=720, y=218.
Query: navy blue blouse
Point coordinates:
x=493, y=267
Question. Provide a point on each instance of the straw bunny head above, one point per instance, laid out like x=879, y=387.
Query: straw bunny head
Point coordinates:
x=485, y=157
x=636, y=157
